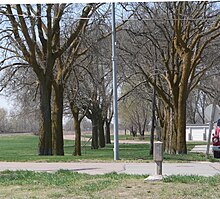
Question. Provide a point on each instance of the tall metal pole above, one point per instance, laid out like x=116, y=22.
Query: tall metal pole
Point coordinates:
x=153, y=109
x=153, y=121
x=115, y=96
x=211, y=127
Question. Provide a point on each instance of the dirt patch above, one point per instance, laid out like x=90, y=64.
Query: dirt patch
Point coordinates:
x=138, y=189
x=129, y=189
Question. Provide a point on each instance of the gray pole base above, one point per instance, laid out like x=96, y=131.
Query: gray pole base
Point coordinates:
x=158, y=170
x=154, y=178
x=158, y=167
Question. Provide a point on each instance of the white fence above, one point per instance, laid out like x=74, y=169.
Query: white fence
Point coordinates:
x=195, y=132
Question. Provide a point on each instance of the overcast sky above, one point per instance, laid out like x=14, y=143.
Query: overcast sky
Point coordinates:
x=5, y=103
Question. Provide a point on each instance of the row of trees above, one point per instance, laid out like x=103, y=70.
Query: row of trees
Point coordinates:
x=176, y=42
x=59, y=60
x=52, y=55
x=18, y=121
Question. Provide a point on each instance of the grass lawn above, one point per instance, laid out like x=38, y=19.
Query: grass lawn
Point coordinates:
x=25, y=147
x=67, y=184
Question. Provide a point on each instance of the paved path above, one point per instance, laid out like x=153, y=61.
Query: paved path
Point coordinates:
x=72, y=137
x=202, y=149
x=194, y=168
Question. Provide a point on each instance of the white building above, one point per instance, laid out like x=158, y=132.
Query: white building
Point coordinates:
x=197, y=132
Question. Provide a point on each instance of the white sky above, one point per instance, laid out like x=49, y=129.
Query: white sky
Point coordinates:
x=61, y=1
x=5, y=103
x=77, y=1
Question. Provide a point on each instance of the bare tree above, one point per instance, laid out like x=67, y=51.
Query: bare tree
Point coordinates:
x=34, y=36
x=180, y=32
x=3, y=120
x=134, y=106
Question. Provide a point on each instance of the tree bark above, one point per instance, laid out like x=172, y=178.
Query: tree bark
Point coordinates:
x=108, y=132
x=165, y=130
x=45, y=135
x=182, y=100
x=101, y=132
x=57, y=120
x=181, y=121
x=181, y=130
x=173, y=133
x=95, y=143
x=144, y=127
x=77, y=150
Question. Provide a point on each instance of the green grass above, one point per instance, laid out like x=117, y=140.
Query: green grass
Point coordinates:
x=63, y=183
x=59, y=178
x=25, y=148
x=67, y=184
x=65, y=177
x=192, y=179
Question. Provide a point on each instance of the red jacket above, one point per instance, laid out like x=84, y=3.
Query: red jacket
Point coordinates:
x=216, y=137
x=217, y=130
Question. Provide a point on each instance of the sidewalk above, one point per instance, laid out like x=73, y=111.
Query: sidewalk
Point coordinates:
x=193, y=168
x=86, y=139
x=202, y=149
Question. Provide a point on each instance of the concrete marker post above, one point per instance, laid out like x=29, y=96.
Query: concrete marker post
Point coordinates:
x=158, y=158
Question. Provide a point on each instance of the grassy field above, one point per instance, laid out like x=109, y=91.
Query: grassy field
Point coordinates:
x=66, y=184
x=25, y=147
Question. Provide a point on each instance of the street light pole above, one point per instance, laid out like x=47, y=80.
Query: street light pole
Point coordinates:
x=211, y=126
x=153, y=119
x=115, y=97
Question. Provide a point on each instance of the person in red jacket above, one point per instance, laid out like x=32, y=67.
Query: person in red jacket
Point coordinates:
x=217, y=127
x=216, y=141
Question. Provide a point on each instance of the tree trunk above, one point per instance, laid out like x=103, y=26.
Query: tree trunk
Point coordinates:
x=181, y=131
x=139, y=128
x=182, y=99
x=76, y=123
x=144, y=127
x=95, y=144
x=173, y=129
x=181, y=128
x=45, y=135
x=57, y=121
x=101, y=133
x=77, y=151
x=108, y=132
